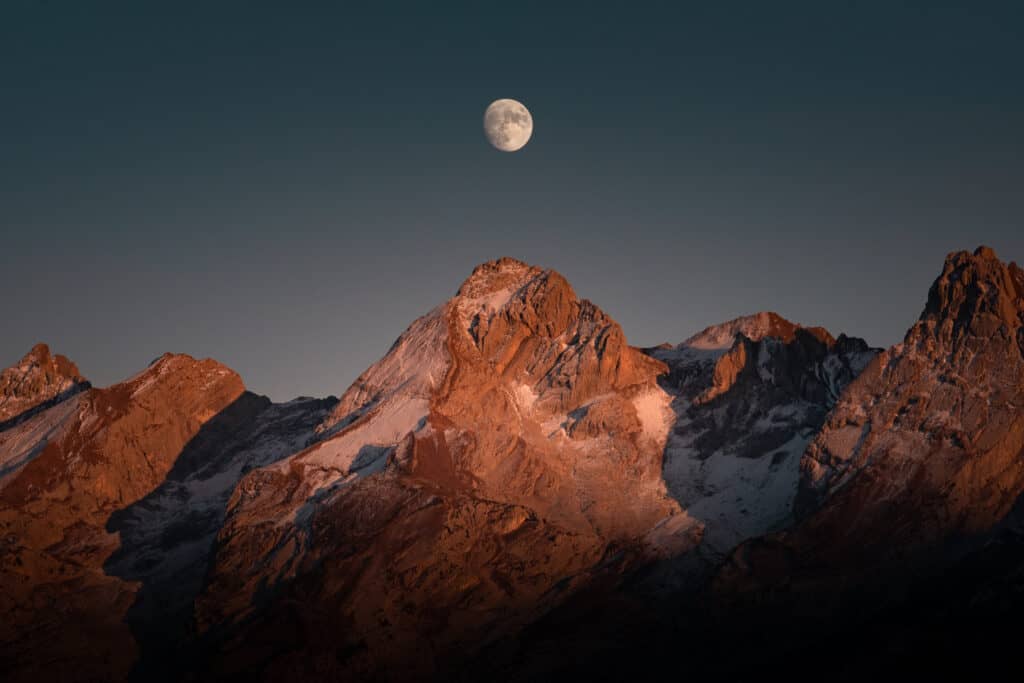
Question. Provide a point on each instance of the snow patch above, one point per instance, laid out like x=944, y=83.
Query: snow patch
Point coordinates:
x=490, y=303
x=23, y=442
x=736, y=498
x=384, y=427
x=413, y=368
x=655, y=414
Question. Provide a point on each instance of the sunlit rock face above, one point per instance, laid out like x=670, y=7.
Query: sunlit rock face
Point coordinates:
x=506, y=451
x=38, y=380
x=923, y=455
x=64, y=471
x=510, y=474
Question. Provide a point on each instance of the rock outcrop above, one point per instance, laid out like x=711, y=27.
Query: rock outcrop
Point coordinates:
x=513, y=485
x=38, y=381
x=746, y=407
x=921, y=458
x=65, y=470
x=515, y=441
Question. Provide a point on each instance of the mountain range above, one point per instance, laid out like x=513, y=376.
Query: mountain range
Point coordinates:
x=513, y=492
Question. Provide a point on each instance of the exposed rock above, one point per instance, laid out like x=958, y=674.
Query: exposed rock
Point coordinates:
x=38, y=381
x=99, y=452
x=921, y=458
x=511, y=463
x=754, y=327
x=519, y=443
x=745, y=411
x=167, y=537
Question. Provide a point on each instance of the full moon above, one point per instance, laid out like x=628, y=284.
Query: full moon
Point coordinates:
x=508, y=125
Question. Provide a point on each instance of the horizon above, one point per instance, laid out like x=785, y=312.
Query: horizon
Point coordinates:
x=285, y=191
x=802, y=323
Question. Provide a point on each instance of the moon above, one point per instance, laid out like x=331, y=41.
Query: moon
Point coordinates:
x=508, y=125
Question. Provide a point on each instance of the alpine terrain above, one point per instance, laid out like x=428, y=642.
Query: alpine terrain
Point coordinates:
x=513, y=492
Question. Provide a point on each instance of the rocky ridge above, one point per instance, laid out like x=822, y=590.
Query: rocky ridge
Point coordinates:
x=921, y=458
x=39, y=380
x=510, y=459
x=514, y=443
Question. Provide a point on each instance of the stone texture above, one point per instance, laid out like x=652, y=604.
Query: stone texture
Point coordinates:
x=922, y=457
x=40, y=379
x=62, y=613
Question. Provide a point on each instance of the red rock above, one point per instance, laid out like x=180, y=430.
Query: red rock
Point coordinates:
x=37, y=381
x=104, y=449
x=925, y=448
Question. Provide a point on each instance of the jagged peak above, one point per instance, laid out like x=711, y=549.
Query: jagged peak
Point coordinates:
x=491, y=276
x=40, y=351
x=539, y=297
x=987, y=253
x=40, y=355
x=515, y=319
x=973, y=286
x=39, y=379
x=754, y=327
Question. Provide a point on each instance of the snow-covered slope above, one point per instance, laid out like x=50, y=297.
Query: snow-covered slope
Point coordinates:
x=167, y=537
x=508, y=441
x=67, y=469
x=509, y=455
x=920, y=459
x=749, y=395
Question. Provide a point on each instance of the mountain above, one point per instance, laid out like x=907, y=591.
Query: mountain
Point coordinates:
x=901, y=547
x=923, y=456
x=38, y=381
x=82, y=488
x=69, y=468
x=514, y=492
x=748, y=396
x=505, y=451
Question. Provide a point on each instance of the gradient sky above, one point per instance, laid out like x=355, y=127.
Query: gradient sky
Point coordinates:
x=285, y=189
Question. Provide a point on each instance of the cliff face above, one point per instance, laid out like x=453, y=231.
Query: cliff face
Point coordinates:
x=510, y=478
x=749, y=395
x=923, y=455
x=515, y=441
x=65, y=470
x=39, y=380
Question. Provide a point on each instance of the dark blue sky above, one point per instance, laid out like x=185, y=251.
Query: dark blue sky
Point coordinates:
x=285, y=188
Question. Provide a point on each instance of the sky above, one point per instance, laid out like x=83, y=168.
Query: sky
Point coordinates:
x=286, y=186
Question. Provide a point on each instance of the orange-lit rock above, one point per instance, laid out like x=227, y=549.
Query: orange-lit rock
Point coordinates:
x=513, y=463
x=923, y=453
x=64, y=471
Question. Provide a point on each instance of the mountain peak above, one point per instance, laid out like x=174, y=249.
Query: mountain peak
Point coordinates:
x=39, y=379
x=40, y=354
x=976, y=294
x=505, y=273
x=201, y=372
x=508, y=322
x=986, y=253
x=754, y=327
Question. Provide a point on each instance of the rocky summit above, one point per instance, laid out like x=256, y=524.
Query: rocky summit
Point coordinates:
x=514, y=492
x=36, y=382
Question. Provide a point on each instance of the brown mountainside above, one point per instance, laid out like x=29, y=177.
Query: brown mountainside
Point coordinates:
x=510, y=491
